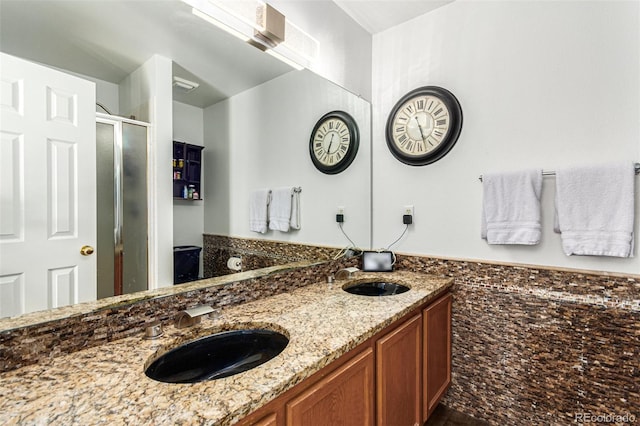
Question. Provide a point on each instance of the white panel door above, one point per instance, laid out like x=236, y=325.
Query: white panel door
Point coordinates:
x=47, y=188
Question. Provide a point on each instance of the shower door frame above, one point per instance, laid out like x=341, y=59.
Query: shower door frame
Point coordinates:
x=117, y=122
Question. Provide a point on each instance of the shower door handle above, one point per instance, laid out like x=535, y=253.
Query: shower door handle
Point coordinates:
x=87, y=250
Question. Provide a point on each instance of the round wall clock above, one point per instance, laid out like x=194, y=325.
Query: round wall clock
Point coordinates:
x=334, y=142
x=424, y=125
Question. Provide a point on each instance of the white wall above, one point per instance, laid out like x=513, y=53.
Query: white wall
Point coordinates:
x=541, y=84
x=107, y=94
x=146, y=93
x=188, y=216
x=260, y=139
x=344, y=55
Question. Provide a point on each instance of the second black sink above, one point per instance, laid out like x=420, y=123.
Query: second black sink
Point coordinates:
x=375, y=289
x=216, y=356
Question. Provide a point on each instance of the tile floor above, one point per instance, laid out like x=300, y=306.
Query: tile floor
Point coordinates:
x=443, y=416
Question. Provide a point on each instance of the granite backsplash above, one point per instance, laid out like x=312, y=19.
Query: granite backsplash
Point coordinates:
x=27, y=345
x=255, y=253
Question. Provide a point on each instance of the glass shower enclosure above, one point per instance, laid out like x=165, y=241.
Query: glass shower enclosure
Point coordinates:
x=121, y=193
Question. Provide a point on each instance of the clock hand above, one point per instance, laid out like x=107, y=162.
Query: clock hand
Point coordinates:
x=330, y=143
x=419, y=127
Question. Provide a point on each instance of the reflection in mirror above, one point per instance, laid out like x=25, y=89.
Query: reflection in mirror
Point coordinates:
x=121, y=195
x=260, y=139
x=253, y=113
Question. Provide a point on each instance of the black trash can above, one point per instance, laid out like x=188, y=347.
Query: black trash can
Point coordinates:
x=186, y=263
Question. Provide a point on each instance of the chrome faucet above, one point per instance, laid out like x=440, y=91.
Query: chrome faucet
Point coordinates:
x=193, y=316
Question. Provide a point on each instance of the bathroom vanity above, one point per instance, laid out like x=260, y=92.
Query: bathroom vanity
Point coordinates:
x=380, y=359
x=396, y=377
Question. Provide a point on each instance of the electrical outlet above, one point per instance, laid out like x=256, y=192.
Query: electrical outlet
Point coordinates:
x=407, y=216
x=340, y=214
x=340, y=209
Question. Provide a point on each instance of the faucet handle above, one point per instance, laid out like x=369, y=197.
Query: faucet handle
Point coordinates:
x=153, y=330
x=192, y=316
x=346, y=273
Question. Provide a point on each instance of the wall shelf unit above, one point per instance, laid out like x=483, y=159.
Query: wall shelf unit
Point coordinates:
x=187, y=171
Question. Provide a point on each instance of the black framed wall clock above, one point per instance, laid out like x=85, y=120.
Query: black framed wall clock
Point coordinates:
x=334, y=142
x=424, y=125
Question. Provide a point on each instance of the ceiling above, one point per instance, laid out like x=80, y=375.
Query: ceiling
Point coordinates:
x=378, y=15
x=110, y=39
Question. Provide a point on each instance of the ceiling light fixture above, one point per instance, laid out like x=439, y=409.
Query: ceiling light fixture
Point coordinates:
x=185, y=84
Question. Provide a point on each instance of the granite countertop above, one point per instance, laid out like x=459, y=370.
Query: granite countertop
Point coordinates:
x=107, y=384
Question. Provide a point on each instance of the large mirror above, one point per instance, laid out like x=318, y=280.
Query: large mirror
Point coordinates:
x=252, y=113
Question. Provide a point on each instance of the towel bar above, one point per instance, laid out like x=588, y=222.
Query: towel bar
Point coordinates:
x=636, y=166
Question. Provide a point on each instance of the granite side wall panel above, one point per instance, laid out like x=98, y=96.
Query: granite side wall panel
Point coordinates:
x=536, y=346
x=611, y=366
x=515, y=359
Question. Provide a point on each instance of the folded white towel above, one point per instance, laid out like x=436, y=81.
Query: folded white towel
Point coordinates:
x=258, y=205
x=595, y=209
x=280, y=209
x=511, y=207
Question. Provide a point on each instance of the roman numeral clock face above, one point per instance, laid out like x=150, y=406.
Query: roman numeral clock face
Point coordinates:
x=424, y=125
x=334, y=142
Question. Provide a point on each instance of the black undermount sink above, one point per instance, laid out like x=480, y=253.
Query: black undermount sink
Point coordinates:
x=218, y=355
x=375, y=289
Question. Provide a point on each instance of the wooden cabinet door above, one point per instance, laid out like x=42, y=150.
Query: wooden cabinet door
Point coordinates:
x=398, y=374
x=269, y=420
x=437, y=352
x=344, y=398
x=270, y=415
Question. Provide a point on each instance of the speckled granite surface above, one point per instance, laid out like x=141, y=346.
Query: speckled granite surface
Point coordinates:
x=42, y=335
x=256, y=253
x=106, y=384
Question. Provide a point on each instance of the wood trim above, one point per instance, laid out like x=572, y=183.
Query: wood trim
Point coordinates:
x=117, y=273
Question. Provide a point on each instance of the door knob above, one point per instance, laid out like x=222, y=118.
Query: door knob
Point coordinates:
x=86, y=250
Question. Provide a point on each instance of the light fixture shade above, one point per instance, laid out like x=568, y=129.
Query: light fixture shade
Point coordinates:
x=227, y=28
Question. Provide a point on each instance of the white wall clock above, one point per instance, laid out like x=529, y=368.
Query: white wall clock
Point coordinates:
x=424, y=125
x=334, y=142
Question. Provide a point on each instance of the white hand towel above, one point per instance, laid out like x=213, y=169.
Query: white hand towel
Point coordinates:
x=258, y=205
x=280, y=209
x=595, y=209
x=511, y=207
